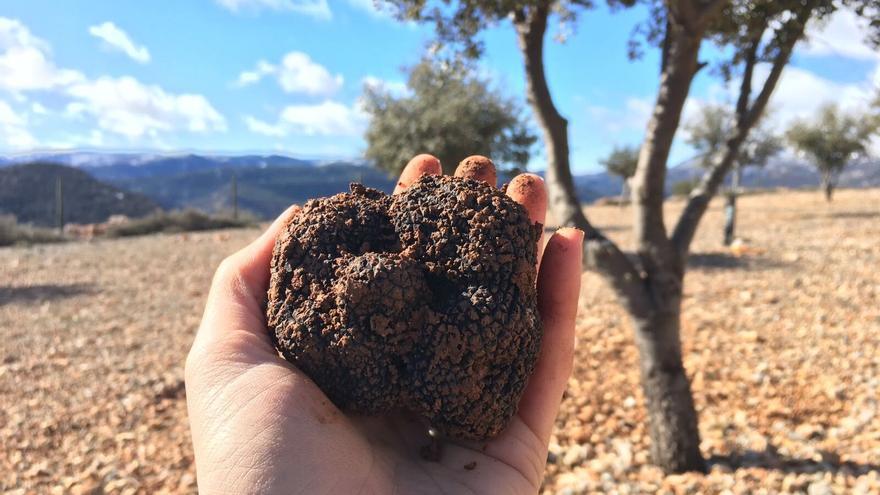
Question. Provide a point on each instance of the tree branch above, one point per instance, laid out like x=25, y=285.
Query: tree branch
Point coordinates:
x=687, y=224
x=648, y=187
x=710, y=10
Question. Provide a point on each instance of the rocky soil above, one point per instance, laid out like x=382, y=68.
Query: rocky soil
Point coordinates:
x=780, y=340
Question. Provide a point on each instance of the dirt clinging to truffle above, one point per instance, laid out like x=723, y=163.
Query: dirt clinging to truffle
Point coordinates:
x=423, y=302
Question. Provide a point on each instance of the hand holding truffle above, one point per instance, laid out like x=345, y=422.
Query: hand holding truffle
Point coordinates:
x=394, y=313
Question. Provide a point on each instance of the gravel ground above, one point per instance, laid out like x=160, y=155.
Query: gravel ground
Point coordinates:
x=781, y=343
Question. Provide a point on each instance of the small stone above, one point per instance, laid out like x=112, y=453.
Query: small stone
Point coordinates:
x=819, y=488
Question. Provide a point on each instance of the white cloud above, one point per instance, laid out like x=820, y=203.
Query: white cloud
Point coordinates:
x=121, y=106
x=264, y=128
x=25, y=63
x=297, y=73
x=130, y=108
x=329, y=118
x=262, y=69
x=39, y=109
x=117, y=39
x=800, y=93
x=382, y=10
x=633, y=117
x=318, y=9
x=13, y=129
x=844, y=35
x=396, y=88
x=8, y=116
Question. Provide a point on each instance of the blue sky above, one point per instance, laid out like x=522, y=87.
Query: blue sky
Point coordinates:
x=284, y=76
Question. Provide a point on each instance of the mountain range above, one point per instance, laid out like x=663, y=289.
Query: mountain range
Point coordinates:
x=30, y=193
x=266, y=184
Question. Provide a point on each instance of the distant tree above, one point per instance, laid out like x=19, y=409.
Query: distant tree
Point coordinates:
x=832, y=140
x=622, y=162
x=708, y=132
x=448, y=112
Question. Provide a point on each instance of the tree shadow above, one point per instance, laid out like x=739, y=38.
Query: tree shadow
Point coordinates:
x=856, y=214
x=771, y=459
x=43, y=292
x=726, y=261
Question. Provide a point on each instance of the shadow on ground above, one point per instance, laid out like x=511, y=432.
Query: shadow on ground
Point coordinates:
x=45, y=292
x=726, y=261
x=771, y=459
x=856, y=214
x=844, y=215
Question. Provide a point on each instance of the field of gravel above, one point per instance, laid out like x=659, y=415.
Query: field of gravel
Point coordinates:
x=781, y=341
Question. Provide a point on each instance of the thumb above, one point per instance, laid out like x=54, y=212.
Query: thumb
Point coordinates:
x=234, y=312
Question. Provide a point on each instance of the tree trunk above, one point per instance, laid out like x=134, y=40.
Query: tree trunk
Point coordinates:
x=672, y=418
x=562, y=199
x=623, y=191
x=827, y=186
x=675, y=437
x=730, y=207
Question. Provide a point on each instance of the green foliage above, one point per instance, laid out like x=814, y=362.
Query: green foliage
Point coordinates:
x=12, y=233
x=622, y=161
x=449, y=113
x=832, y=139
x=174, y=222
x=744, y=25
x=458, y=23
x=870, y=10
x=708, y=131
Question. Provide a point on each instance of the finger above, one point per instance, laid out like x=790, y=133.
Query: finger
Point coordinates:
x=559, y=283
x=477, y=167
x=529, y=191
x=235, y=301
x=420, y=165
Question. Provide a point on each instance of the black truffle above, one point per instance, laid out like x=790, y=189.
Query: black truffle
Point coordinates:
x=423, y=302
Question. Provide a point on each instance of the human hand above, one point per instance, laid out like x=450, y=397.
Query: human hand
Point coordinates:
x=259, y=425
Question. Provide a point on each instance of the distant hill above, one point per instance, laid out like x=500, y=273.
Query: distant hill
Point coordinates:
x=263, y=191
x=122, y=166
x=268, y=183
x=28, y=192
x=780, y=173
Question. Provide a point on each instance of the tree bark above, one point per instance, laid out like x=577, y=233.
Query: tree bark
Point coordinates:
x=531, y=26
x=675, y=437
x=730, y=207
x=827, y=186
x=648, y=187
x=600, y=253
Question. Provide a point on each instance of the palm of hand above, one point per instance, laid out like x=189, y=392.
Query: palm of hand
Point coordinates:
x=260, y=425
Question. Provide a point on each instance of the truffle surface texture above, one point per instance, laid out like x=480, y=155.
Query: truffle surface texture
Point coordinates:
x=422, y=302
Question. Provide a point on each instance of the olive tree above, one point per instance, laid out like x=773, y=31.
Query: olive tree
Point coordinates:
x=832, y=140
x=648, y=283
x=621, y=161
x=707, y=133
x=449, y=111
x=458, y=24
